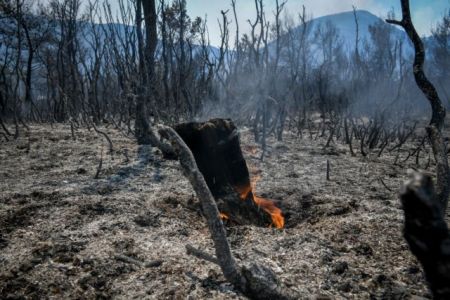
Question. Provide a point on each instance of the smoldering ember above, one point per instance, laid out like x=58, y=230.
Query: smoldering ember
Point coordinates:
x=242, y=149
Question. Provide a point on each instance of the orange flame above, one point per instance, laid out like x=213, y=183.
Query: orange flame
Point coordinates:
x=268, y=205
x=223, y=216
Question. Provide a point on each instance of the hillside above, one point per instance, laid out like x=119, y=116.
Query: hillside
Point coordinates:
x=345, y=23
x=67, y=235
x=138, y=162
x=346, y=31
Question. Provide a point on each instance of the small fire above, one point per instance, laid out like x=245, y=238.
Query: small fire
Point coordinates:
x=223, y=216
x=272, y=209
x=268, y=205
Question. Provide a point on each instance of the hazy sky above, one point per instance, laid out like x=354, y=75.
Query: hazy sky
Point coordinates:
x=425, y=12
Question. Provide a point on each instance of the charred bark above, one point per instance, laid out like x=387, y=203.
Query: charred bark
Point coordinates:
x=216, y=148
x=427, y=233
x=150, y=19
x=142, y=127
x=143, y=130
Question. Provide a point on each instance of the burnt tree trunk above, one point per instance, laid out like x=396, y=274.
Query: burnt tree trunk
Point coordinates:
x=142, y=126
x=427, y=233
x=216, y=148
x=434, y=130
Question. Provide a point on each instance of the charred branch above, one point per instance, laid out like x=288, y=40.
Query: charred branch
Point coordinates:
x=434, y=130
x=210, y=210
x=255, y=281
x=427, y=233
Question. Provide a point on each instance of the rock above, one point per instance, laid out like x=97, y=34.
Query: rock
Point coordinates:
x=326, y=258
x=340, y=267
x=81, y=171
x=381, y=278
x=364, y=249
x=345, y=287
x=147, y=220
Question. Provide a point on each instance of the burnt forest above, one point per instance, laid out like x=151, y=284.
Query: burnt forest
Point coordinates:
x=239, y=149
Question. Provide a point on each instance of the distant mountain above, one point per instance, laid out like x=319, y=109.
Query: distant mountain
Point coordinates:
x=86, y=35
x=345, y=23
x=346, y=28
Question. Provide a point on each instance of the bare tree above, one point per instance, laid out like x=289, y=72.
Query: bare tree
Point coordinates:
x=436, y=125
x=146, y=66
x=441, y=54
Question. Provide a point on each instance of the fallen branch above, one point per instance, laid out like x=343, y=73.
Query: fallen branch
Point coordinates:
x=153, y=264
x=129, y=260
x=427, y=233
x=200, y=254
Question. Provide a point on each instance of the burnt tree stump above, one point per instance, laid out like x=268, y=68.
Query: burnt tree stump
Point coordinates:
x=217, y=152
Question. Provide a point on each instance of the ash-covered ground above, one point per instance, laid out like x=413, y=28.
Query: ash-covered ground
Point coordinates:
x=64, y=234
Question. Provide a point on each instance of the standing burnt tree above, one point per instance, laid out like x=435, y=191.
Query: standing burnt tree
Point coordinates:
x=143, y=131
x=146, y=66
x=434, y=129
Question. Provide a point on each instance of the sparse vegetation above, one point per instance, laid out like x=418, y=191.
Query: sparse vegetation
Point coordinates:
x=314, y=123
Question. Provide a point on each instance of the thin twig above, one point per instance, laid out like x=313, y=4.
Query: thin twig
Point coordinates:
x=384, y=184
x=133, y=261
x=100, y=164
x=111, y=149
x=191, y=250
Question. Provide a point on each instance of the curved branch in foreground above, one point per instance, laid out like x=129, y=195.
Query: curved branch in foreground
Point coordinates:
x=256, y=282
x=427, y=233
x=218, y=234
x=434, y=130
